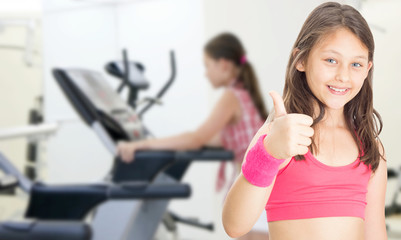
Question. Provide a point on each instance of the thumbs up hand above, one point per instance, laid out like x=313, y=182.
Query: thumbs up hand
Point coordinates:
x=290, y=134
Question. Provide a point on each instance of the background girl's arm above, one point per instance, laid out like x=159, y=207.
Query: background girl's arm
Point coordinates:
x=375, y=226
x=223, y=112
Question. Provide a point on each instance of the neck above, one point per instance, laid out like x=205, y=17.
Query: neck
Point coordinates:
x=231, y=79
x=234, y=74
x=233, y=82
x=332, y=117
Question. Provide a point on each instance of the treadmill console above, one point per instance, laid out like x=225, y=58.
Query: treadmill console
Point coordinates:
x=109, y=105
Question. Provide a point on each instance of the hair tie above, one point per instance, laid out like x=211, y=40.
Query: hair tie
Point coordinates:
x=243, y=60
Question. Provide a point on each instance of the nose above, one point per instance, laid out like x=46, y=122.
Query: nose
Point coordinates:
x=343, y=74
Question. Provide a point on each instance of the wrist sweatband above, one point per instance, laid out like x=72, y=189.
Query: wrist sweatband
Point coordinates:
x=260, y=167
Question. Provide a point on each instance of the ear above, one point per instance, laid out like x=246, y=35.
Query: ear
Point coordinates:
x=370, y=65
x=300, y=66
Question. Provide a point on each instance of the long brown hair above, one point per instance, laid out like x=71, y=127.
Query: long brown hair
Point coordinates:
x=362, y=119
x=229, y=47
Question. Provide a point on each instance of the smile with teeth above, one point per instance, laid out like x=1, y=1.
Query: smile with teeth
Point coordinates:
x=338, y=89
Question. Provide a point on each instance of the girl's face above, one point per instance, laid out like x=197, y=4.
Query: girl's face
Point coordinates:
x=216, y=71
x=336, y=68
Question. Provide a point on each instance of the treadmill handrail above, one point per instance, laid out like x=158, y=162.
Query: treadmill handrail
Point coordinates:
x=35, y=230
x=29, y=131
x=73, y=202
x=190, y=155
x=8, y=181
x=106, y=191
x=149, y=191
x=205, y=155
x=10, y=169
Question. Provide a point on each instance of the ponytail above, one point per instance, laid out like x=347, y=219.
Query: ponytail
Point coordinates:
x=248, y=77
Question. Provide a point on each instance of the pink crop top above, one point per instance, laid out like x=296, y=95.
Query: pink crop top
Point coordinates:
x=310, y=189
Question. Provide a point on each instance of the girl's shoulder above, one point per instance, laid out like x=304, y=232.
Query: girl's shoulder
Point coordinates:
x=228, y=99
x=239, y=92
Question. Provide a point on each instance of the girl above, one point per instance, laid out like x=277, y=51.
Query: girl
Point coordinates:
x=318, y=166
x=234, y=120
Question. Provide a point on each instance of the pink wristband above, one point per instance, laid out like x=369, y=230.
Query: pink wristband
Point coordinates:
x=260, y=167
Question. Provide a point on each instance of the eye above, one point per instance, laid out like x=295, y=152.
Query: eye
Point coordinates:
x=356, y=65
x=330, y=60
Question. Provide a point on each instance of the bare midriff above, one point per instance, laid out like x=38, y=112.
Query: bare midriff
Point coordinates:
x=328, y=228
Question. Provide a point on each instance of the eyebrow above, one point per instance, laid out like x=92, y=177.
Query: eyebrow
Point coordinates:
x=335, y=52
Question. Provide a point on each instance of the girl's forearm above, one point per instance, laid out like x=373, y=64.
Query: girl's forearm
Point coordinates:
x=184, y=141
x=243, y=206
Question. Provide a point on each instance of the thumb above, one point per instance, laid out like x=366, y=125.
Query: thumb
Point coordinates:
x=278, y=102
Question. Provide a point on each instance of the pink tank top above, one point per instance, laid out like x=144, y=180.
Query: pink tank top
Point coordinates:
x=310, y=189
x=236, y=137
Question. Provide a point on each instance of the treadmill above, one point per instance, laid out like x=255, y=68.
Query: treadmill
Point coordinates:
x=58, y=211
x=112, y=119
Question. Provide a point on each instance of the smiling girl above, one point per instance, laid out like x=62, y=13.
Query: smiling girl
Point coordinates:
x=317, y=165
